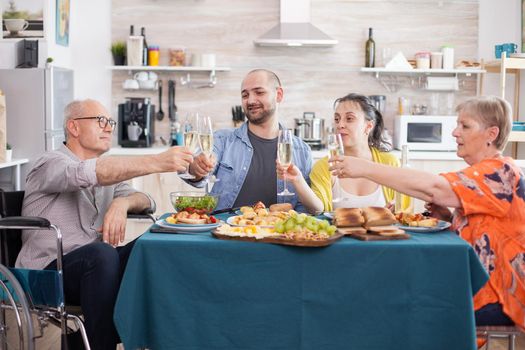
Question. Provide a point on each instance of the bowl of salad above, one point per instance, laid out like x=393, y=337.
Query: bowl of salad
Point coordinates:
x=194, y=202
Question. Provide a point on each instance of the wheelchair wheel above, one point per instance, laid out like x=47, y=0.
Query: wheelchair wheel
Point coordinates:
x=16, y=323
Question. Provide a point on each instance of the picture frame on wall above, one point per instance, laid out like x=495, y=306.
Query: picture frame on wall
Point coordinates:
x=62, y=22
x=22, y=19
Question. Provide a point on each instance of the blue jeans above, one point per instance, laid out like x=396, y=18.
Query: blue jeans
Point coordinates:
x=492, y=315
x=92, y=276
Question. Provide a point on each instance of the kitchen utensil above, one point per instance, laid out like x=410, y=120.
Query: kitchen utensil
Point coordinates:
x=160, y=113
x=172, y=108
x=379, y=101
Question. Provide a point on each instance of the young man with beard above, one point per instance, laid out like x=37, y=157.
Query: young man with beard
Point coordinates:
x=245, y=160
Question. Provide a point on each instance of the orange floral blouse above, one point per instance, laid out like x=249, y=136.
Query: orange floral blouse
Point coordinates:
x=492, y=220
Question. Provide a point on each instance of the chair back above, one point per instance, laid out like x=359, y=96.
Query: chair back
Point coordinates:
x=10, y=240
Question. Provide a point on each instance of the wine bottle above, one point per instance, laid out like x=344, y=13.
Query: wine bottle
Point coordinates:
x=145, y=47
x=131, y=30
x=370, y=48
x=403, y=202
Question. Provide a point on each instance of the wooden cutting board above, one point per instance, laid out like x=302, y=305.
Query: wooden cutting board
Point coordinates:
x=374, y=237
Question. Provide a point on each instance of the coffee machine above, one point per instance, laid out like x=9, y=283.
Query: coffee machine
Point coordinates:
x=136, y=122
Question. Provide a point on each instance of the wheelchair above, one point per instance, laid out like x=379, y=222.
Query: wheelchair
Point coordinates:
x=30, y=298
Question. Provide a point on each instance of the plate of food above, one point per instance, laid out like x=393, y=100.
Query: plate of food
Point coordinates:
x=187, y=228
x=420, y=223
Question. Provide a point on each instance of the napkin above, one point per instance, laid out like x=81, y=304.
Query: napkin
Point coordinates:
x=398, y=62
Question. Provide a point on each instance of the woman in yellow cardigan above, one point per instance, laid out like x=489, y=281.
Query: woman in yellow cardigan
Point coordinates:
x=361, y=127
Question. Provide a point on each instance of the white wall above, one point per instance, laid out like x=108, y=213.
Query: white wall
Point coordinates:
x=88, y=51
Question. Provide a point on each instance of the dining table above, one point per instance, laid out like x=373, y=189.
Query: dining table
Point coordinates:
x=192, y=291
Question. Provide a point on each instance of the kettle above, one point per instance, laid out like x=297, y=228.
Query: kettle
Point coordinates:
x=310, y=129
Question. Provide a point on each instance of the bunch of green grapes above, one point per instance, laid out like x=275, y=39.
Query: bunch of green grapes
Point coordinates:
x=299, y=222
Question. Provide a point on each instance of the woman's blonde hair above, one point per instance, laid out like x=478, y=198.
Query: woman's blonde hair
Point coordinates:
x=491, y=111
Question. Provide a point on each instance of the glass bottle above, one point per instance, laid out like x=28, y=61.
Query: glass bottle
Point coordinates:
x=401, y=198
x=370, y=51
x=145, y=47
x=131, y=30
x=153, y=55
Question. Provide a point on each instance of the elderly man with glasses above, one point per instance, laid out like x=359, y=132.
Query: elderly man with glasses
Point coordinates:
x=83, y=194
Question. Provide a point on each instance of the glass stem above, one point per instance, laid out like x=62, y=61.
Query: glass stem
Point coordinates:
x=285, y=187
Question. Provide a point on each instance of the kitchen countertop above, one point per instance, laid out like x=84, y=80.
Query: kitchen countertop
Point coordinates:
x=414, y=155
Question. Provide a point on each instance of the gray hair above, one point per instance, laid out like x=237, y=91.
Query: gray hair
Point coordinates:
x=75, y=109
x=491, y=111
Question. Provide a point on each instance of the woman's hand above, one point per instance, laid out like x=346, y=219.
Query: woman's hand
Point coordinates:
x=292, y=173
x=438, y=212
x=346, y=166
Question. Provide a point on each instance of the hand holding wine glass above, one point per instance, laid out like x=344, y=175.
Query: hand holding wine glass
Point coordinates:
x=285, y=155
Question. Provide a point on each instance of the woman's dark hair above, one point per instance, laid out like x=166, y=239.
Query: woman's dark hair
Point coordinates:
x=377, y=137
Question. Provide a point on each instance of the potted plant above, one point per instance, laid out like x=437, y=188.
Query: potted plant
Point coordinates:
x=118, y=50
x=8, y=152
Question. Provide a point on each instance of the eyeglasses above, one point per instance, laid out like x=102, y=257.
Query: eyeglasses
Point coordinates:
x=102, y=121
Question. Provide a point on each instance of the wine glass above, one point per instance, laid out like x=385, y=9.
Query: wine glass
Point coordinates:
x=206, y=141
x=285, y=155
x=191, y=137
x=336, y=148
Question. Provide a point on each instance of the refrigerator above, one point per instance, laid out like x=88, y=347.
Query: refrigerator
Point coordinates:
x=35, y=101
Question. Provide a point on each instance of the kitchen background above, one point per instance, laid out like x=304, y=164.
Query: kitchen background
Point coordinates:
x=312, y=77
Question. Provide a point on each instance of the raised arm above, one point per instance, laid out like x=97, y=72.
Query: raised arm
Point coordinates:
x=419, y=184
x=113, y=169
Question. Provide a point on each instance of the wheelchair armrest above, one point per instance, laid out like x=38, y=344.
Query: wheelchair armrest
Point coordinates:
x=146, y=214
x=23, y=222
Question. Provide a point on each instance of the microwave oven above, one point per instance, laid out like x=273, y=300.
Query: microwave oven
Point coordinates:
x=425, y=132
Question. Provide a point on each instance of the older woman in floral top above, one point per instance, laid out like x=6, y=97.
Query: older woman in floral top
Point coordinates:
x=489, y=201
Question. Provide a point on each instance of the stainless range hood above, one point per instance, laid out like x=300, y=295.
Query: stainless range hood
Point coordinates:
x=295, y=28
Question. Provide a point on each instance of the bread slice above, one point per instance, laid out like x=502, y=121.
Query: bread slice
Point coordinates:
x=352, y=230
x=378, y=216
x=398, y=232
x=348, y=217
x=281, y=207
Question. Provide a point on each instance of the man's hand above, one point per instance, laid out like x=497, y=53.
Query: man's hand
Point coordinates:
x=176, y=158
x=291, y=173
x=202, y=166
x=114, y=226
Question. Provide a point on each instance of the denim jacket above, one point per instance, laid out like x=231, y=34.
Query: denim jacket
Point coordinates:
x=234, y=153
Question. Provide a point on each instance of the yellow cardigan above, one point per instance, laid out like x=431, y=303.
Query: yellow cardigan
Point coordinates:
x=322, y=182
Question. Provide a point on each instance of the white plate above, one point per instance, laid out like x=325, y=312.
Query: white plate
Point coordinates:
x=442, y=225
x=329, y=215
x=229, y=221
x=187, y=227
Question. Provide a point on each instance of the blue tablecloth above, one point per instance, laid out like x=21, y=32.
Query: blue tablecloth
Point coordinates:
x=192, y=291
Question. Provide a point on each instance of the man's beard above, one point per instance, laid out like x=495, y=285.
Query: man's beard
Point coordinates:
x=262, y=117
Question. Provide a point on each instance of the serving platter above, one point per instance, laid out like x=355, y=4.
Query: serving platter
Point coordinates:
x=441, y=225
x=277, y=240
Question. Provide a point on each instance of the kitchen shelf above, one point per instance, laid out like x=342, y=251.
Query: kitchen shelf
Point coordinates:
x=466, y=71
x=184, y=81
x=509, y=65
x=171, y=68
x=393, y=79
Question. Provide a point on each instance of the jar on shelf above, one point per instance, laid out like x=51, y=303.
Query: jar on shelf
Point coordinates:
x=448, y=57
x=153, y=55
x=423, y=60
x=177, y=57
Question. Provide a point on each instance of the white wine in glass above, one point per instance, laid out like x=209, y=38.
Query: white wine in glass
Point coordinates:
x=206, y=142
x=191, y=137
x=285, y=155
x=336, y=148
